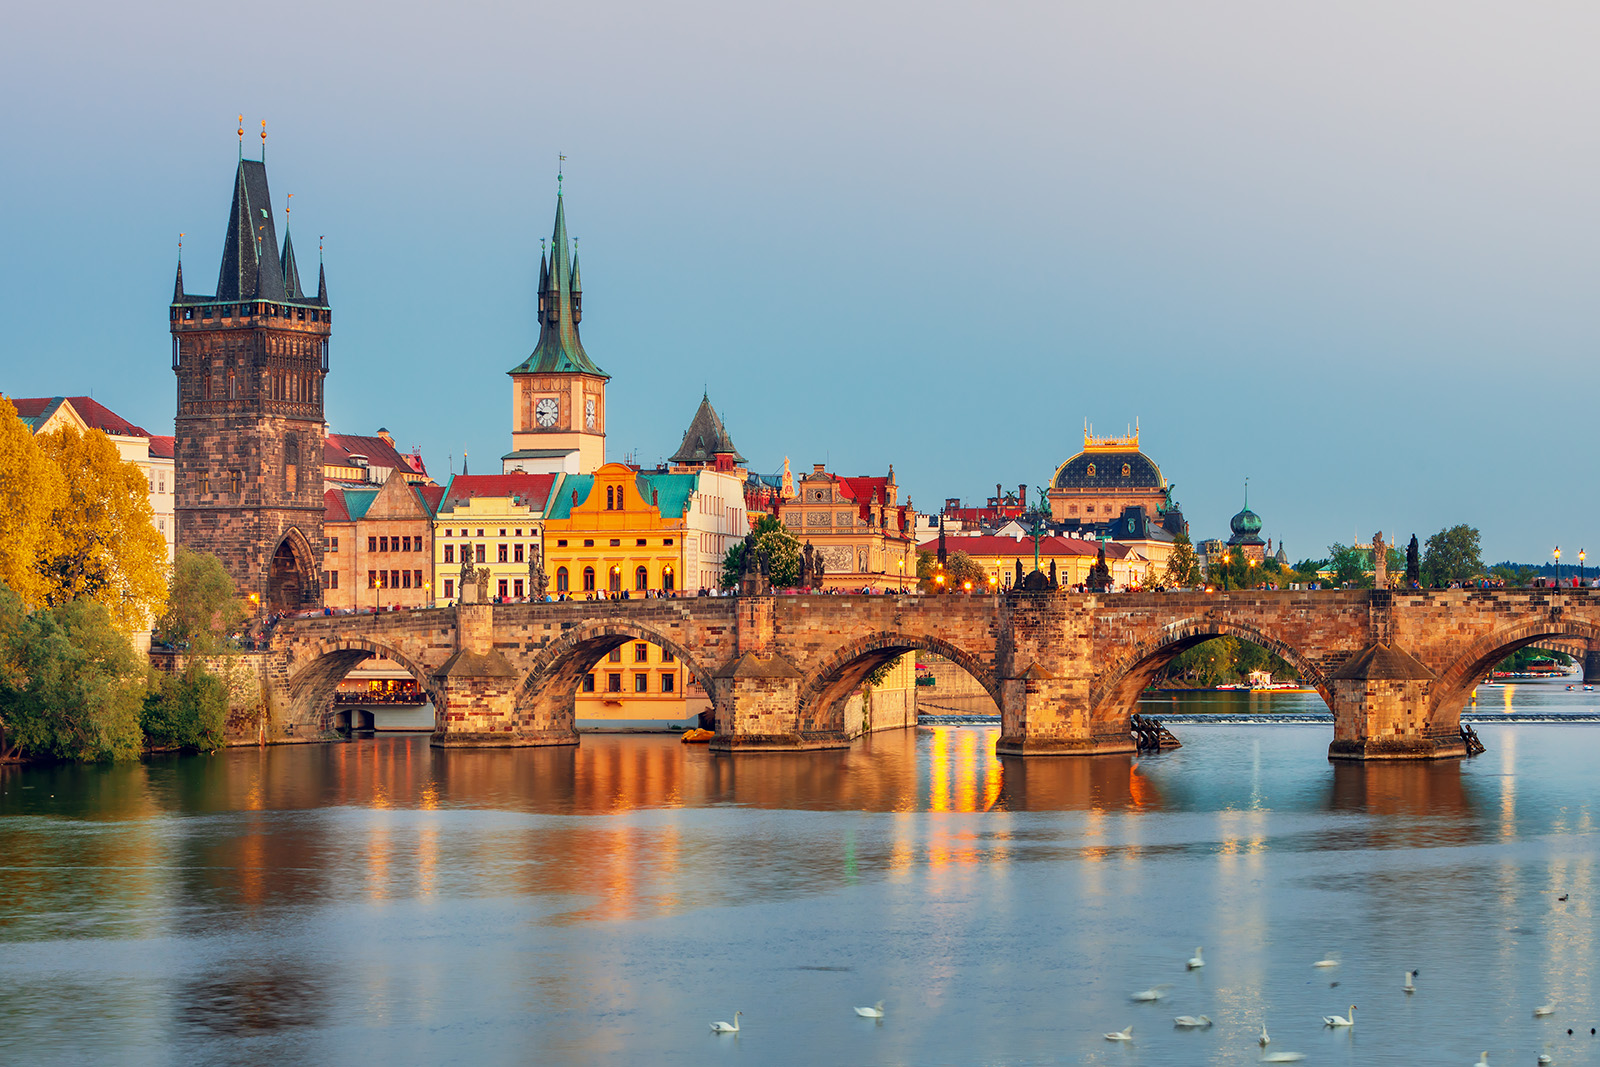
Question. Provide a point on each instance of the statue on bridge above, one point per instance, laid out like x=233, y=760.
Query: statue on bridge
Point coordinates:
x=537, y=582
x=467, y=576
x=1100, y=574
x=755, y=579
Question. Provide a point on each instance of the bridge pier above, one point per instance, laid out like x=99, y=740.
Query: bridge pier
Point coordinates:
x=1383, y=709
x=758, y=697
x=1591, y=664
x=475, y=695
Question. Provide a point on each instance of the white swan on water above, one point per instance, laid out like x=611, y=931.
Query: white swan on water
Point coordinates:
x=1340, y=1020
x=1153, y=993
x=1282, y=1057
x=1192, y=1022
x=1264, y=1040
x=1329, y=962
x=1196, y=961
x=728, y=1028
x=1544, y=1009
x=1410, y=986
x=871, y=1013
x=1483, y=1060
x=1120, y=1035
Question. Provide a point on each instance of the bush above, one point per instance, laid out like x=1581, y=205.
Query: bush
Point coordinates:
x=187, y=711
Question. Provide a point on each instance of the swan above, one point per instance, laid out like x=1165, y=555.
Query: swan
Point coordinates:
x=1410, y=986
x=1329, y=962
x=1544, y=1009
x=1147, y=995
x=727, y=1028
x=1121, y=1035
x=1264, y=1041
x=871, y=1013
x=1340, y=1020
x=1483, y=1060
x=1544, y=1057
x=1192, y=1022
x=1195, y=961
x=1283, y=1057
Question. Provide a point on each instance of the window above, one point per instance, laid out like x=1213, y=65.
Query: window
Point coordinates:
x=383, y=544
x=405, y=579
x=616, y=542
x=235, y=481
x=449, y=588
x=615, y=655
x=641, y=579
x=502, y=587
x=561, y=543
x=588, y=683
x=641, y=653
x=613, y=683
x=501, y=554
x=641, y=683
x=668, y=582
x=449, y=553
x=449, y=533
x=561, y=580
x=502, y=533
x=516, y=588
x=333, y=544
x=519, y=533
x=406, y=544
x=589, y=543
x=616, y=580
x=372, y=579
x=481, y=552
x=668, y=541
x=394, y=579
x=162, y=482
x=611, y=498
x=516, y=553
x=333, y=580
x=416, y=579
x=667, y=656
x=205, y=484
x=668, y=683
x=640, y=542
x=466, y=553
x=480, y=532
x=588, y=579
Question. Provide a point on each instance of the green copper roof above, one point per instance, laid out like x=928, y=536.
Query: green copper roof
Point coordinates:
x=559, y=350
x=672, y=493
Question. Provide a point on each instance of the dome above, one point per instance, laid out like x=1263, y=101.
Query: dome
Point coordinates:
x=1112, y=470
x=1246, y=525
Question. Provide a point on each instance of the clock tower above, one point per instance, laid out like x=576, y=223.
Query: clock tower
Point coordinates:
x=558, y=395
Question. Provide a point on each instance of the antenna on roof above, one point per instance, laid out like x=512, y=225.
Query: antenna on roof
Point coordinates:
x=241, y=137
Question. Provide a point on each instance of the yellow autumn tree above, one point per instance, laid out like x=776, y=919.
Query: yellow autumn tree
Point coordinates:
x=31, y=491
x=105, y=544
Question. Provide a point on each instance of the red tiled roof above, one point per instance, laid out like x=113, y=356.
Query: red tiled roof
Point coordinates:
x=90, y=410
x=333, y=509
x=532, y=489
x=431, y=495
x=337, y=449
x=991, y=545
x=161, y=447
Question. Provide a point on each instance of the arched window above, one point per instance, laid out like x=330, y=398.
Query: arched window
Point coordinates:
x=667, y=581
x=561, y=579
x=616, y=580
x=611, y=500
x=232, y=389
x=588, y=579
x=641, y=579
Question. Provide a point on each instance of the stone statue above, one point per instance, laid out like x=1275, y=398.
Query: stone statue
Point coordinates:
x=537, y=582
x=1100, y=574
x=468, y=576
x=1380, y=562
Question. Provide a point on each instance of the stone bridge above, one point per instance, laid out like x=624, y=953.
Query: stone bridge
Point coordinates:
x=1065, y=669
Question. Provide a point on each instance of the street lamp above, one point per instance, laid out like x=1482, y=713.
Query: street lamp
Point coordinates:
x=1558, y=566
x=902, y=562
x=966, y=586
x=1581, y=555
x=993, y=582
x=427, y=593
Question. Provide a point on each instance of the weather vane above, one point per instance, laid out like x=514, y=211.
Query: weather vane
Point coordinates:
x=241, y=136
x=560, y=172
x=180, y=246
x=263, y=140
x=286, y=206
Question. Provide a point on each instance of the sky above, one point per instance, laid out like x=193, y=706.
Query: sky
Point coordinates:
x=1344, y=251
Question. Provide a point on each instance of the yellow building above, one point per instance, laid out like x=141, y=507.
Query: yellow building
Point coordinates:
x=865, y=537
x=618, y=531
x=491, y=521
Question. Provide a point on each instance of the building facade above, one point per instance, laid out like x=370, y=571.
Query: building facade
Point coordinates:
x=558, y=394
x=864, y=535
x=250, y=362
x=1108, y=477
x=493, y=522
x=379, y=545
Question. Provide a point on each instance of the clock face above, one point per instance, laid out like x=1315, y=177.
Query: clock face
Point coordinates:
x=588, y=412
x=545, y=412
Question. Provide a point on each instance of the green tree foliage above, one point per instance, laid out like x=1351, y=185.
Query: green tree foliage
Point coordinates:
x=785, y=558
x=1349, y=565
x=71, y=686
x=959, y=569
x=1224, y=660
x=106, y=546
x=31, y=489
x=1183, y=566
x=203, y=605
x=1452, y=555
x=1514, y=573
x=186, y=711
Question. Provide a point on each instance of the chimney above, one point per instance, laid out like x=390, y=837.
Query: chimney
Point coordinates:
x=817, y=468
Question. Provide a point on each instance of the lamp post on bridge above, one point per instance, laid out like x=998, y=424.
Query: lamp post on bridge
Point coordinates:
x=1581, y=555
x=1558, y=566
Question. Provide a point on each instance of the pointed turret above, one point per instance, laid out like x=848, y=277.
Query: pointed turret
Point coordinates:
x=577, y=288
x=291, y=272
x=559, y=349
x=251, y=269
x=705, y=439
x=177, y=286
x=322, y=286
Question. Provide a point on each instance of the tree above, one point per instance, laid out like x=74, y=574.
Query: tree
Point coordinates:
x=1183, y=566
x=31, y=489
x=202, y=606
x=186, y=711
x=72, y=685
x=1413, y=563
x=1349, y=564
x=1452, y=555
x=785, y=558
x=958, y=569
x=106, y=545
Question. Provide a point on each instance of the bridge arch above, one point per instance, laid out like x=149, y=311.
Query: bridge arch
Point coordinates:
x=1461, y=676
x=822, y=694
x=557, y=670
x=291, y=576
x=1117, y=696
x=318, y=666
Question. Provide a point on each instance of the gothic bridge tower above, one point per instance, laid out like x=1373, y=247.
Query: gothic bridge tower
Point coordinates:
x=250, y=363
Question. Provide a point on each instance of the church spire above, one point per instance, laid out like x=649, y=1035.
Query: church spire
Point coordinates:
x=177, y=286
x=322, y=285
x=251, y=268
x=559, y=349
x=291, y=273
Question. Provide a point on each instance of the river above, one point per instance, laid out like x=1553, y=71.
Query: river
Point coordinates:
x=379, y=900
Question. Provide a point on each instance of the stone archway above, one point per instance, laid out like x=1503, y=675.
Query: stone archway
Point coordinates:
x=819, y=708
x=291, y=581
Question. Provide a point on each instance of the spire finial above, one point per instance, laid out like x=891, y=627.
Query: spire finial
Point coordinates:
x=1247, y=492
x=263, y=140
x=560, y=171
x=286, y=206
x=320, y=236
x=180, y=248
x=241, y=137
